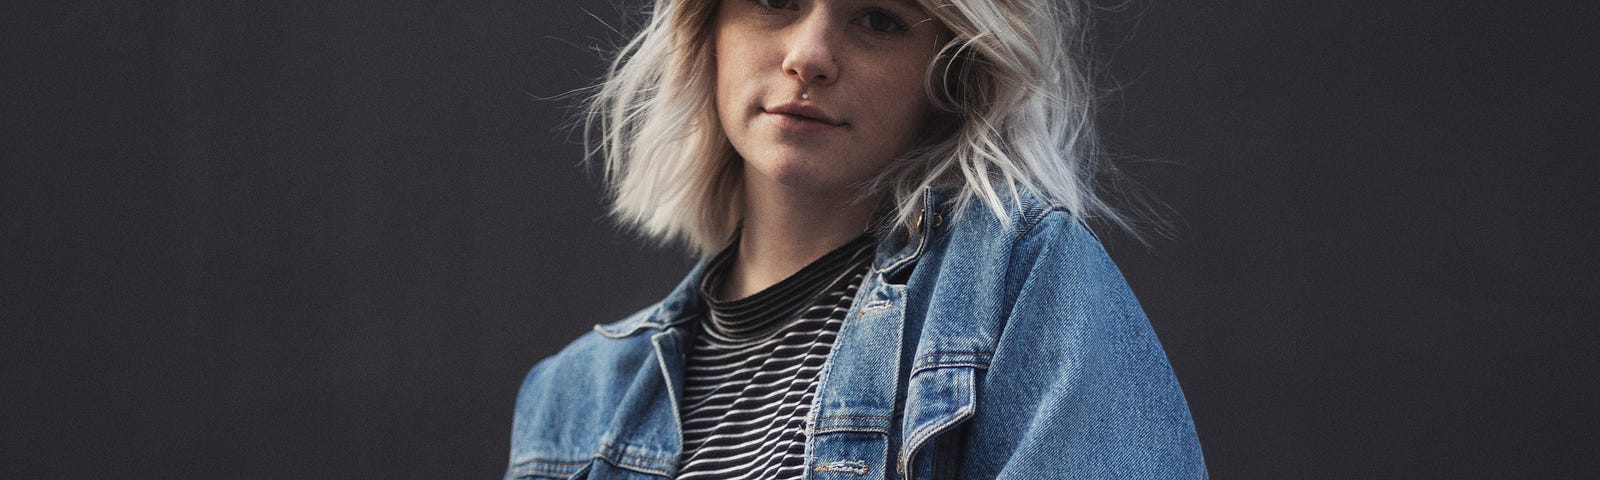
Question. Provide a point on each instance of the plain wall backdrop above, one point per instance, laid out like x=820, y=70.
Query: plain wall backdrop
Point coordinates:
x=326, y=239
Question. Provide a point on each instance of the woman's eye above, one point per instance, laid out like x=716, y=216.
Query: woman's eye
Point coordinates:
x=777, y=4
x=881, y=22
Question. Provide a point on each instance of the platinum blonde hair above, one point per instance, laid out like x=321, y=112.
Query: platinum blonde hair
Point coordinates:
x=1016, y=118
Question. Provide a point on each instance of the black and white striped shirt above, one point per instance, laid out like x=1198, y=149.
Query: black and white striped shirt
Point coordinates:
x=752, y=367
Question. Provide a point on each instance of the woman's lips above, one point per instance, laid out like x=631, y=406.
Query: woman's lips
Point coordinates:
x=802, y=118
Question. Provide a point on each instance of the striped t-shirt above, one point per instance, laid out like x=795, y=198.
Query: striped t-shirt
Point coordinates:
x=752, y=367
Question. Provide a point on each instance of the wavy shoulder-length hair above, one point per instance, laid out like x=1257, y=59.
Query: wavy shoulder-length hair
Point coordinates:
x=1016, y=118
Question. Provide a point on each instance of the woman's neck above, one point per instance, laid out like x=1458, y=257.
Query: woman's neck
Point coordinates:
x=785, y=230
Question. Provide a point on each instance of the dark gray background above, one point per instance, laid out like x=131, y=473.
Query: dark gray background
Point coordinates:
x=326, y=239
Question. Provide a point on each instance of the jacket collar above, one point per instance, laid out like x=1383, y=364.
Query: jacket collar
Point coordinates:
x=895, y=250
x=898, y=248
x=679, y=306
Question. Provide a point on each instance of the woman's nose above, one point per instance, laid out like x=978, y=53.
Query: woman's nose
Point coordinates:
x=813, y=52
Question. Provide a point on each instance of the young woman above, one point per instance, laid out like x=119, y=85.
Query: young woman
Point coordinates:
x=890, y=198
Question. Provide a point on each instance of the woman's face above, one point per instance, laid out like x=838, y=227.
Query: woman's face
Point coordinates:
x=819, y=95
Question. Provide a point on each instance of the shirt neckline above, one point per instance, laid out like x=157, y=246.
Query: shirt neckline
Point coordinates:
x=761, y=313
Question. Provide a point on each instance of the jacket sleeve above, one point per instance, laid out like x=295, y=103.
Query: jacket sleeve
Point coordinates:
x=1079, y=386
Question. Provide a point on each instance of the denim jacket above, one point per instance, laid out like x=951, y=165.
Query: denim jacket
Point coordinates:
x=977, y=349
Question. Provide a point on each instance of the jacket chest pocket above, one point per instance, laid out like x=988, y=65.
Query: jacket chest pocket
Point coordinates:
x=940, y=396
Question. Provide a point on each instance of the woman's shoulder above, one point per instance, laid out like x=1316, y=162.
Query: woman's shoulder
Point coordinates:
x=1025, y=231
x=597, y=364
x=1039, y=269
x=605, y=348
x=1053, y=323
x=569, y=399
x=1036, y=278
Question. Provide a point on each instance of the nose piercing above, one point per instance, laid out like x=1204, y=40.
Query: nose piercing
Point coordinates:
x=805, y=96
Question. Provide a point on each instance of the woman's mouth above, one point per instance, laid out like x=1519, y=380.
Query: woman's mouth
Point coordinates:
x=802, y=118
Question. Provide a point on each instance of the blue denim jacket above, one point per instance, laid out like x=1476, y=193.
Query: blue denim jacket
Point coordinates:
x=979, y=349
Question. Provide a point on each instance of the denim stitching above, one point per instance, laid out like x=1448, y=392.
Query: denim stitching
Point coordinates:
x=852, y=428
x=874, y=306
x=854, y=417
x=856, y=467
x=957, y=354
x=938, y=365
x=977, y=360
x=547, y=467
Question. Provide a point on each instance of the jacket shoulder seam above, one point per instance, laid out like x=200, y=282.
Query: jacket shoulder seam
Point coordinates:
x=628, y=325
x=1032, y=218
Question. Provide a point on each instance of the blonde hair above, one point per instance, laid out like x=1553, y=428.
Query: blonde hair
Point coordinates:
x=1016, y=119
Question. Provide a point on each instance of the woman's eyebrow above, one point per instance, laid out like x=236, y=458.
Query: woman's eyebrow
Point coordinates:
x=906, y=4
x=911, y=4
